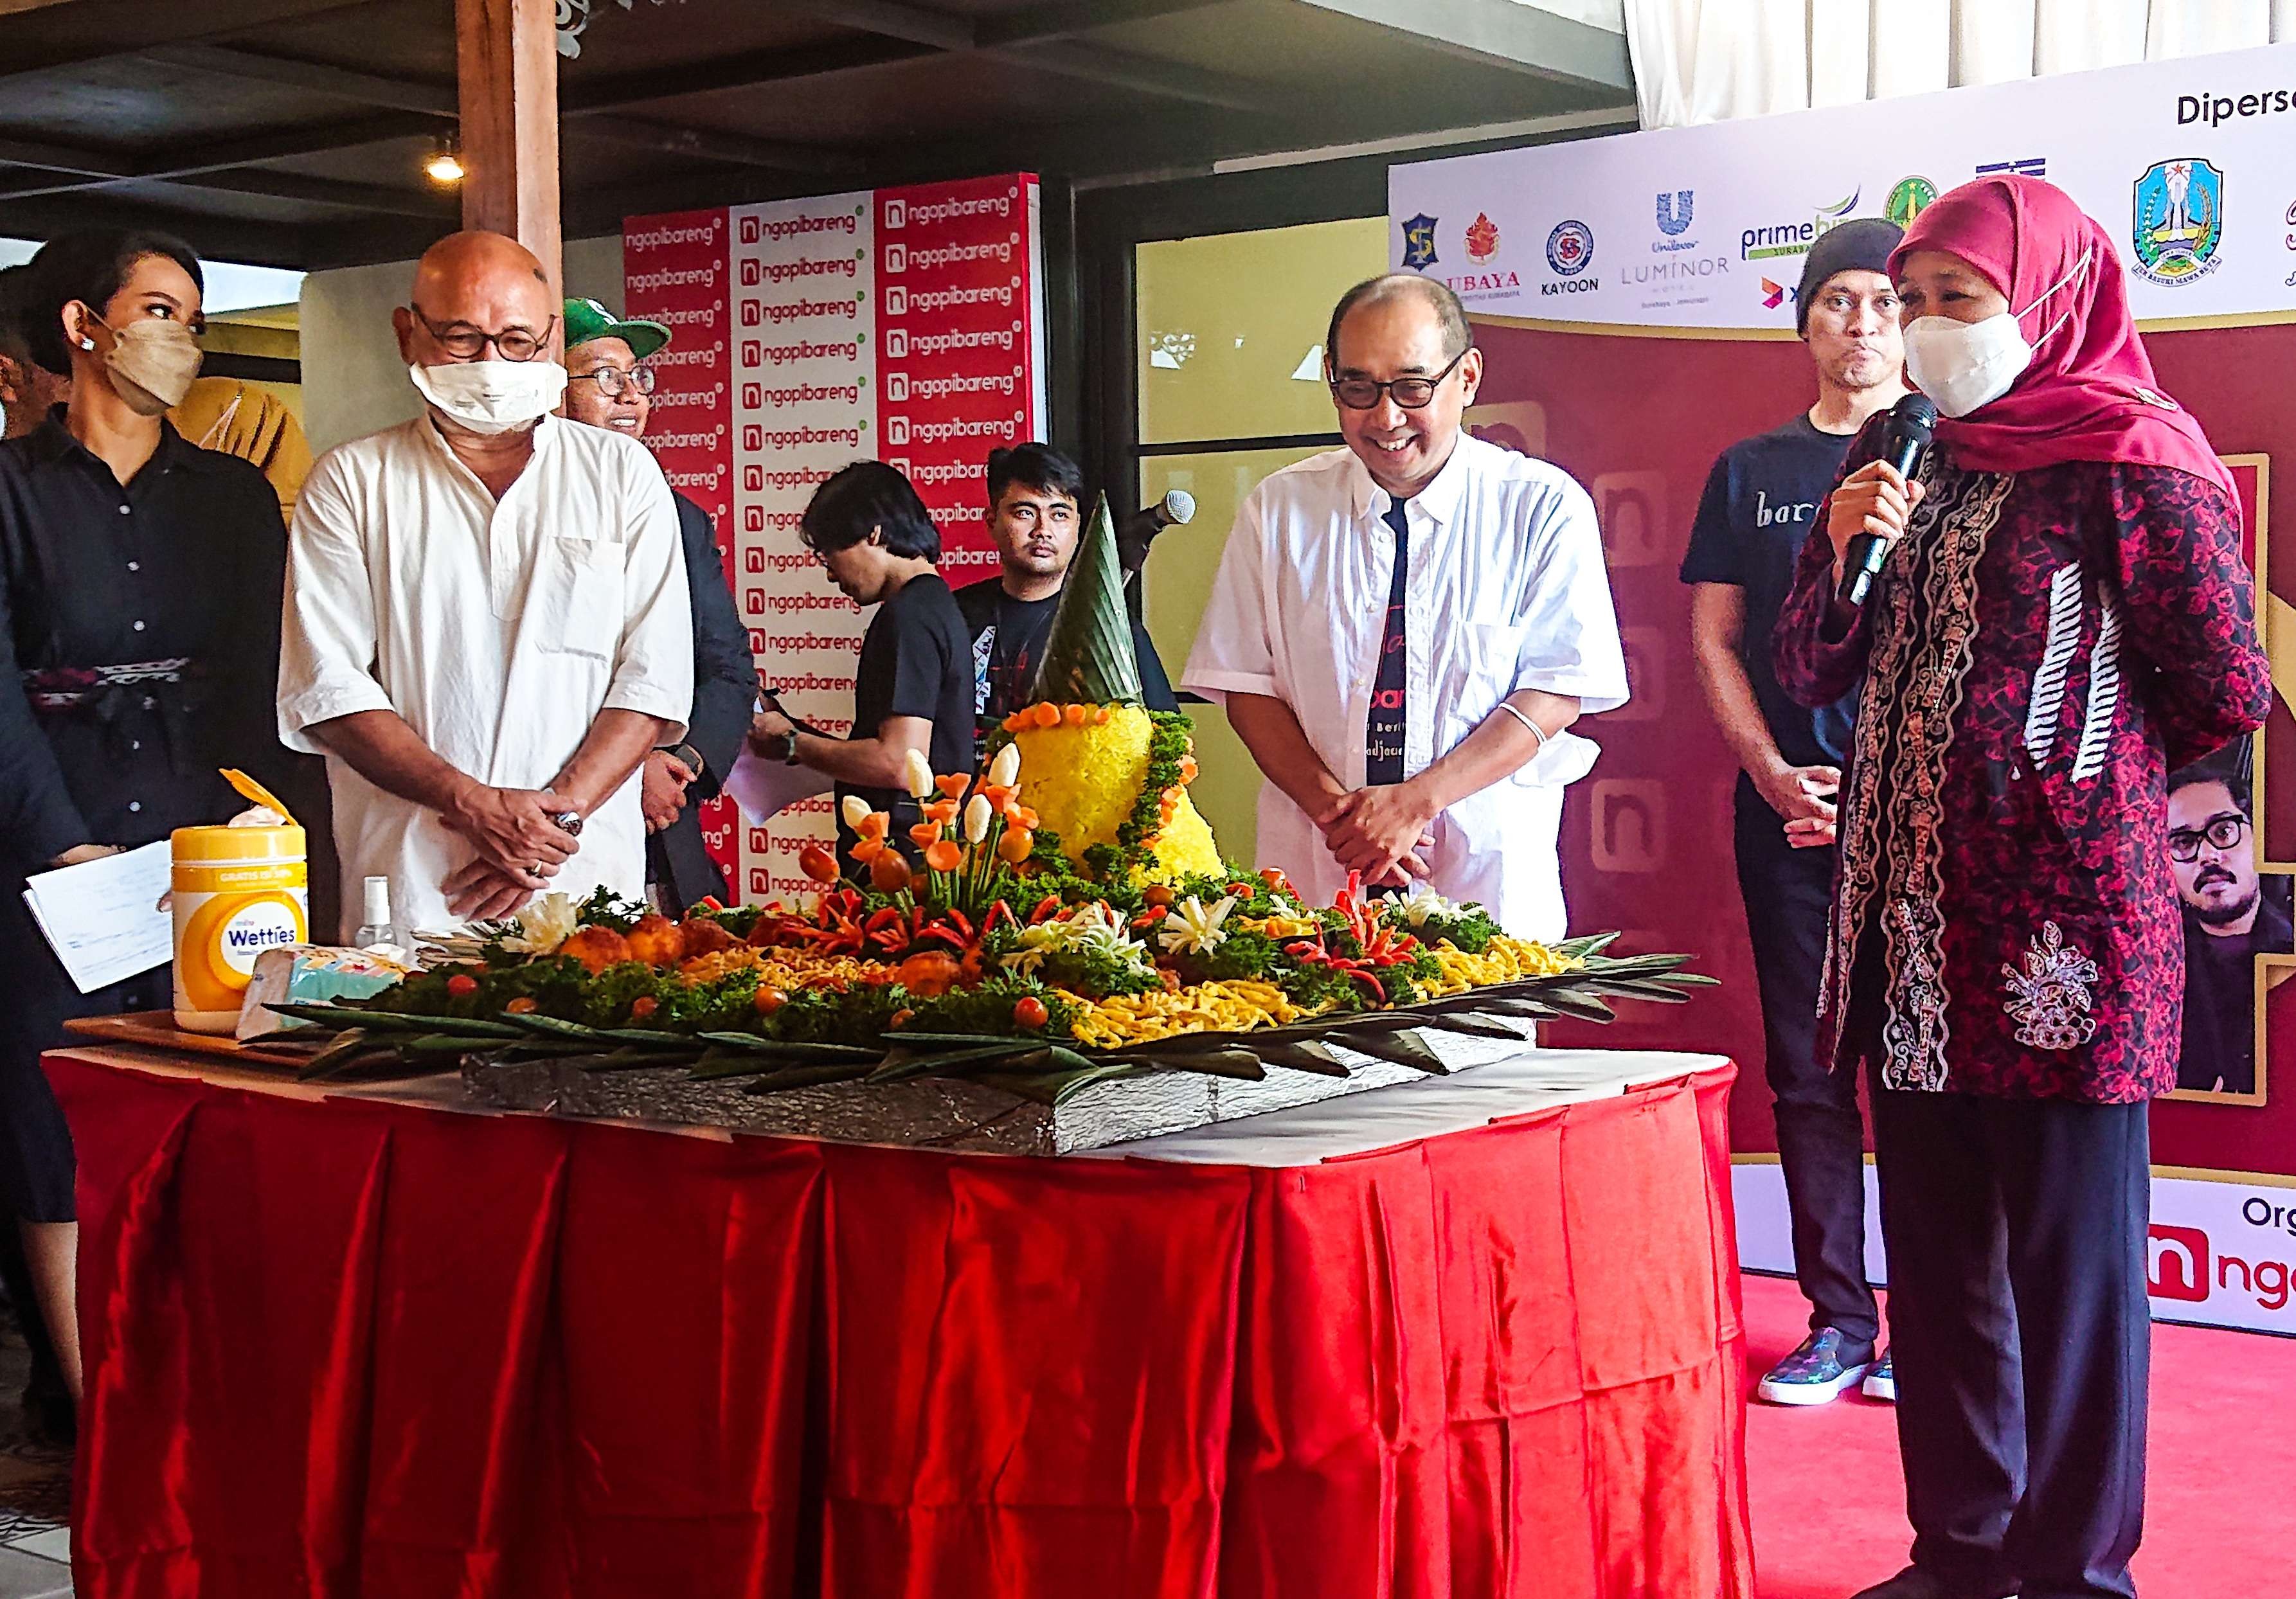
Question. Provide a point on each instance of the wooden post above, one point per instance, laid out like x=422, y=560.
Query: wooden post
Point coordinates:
x=507, y=62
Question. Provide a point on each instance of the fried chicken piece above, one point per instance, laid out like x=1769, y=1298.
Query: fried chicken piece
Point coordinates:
x=597, y=948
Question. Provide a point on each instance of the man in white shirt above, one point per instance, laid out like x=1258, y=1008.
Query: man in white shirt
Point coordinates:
x=486, y=625
x=1403, y=630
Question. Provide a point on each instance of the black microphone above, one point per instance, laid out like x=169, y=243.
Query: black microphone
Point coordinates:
x=1903, y=442
x=1140, y=530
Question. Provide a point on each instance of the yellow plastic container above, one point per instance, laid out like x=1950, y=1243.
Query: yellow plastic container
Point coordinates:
x=238, y=891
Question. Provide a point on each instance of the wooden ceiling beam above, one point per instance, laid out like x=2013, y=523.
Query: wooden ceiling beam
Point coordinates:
x=701, y=144
x=316, y=77
x=57, y=158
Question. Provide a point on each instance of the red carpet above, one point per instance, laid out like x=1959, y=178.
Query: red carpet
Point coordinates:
x=2221, y=1520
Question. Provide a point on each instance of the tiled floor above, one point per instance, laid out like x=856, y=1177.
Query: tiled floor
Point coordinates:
x=35, y=1491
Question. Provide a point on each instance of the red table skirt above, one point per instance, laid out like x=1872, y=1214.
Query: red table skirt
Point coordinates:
x=355, y=1348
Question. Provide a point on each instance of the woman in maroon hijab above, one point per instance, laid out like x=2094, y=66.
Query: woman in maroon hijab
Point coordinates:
x=2065, y=620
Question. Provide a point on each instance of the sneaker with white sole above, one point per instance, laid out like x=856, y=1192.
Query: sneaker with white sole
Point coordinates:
x=1882, y=1382
x=1815, y=1373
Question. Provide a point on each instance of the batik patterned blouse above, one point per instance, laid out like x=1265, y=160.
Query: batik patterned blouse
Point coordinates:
x=2042, y=649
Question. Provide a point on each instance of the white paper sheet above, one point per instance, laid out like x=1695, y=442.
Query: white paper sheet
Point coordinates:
x=763, y=787
x=102, y=917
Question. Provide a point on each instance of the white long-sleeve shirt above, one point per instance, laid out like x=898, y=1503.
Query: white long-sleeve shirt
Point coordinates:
x=1505, y=590
x=498, y=630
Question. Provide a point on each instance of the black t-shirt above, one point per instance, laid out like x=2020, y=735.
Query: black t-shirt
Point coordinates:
x=915, y=661
x=1759, y=507
x=1007, y=642
x=2220, y=1042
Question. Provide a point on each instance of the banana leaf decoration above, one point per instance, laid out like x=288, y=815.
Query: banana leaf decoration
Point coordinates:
x=351, y=1044
x=1088, y=654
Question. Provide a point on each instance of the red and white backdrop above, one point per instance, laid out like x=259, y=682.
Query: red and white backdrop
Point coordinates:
x=1635, y=298
x=895, y=324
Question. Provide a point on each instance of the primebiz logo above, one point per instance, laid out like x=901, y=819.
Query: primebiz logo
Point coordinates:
x=1794, y=238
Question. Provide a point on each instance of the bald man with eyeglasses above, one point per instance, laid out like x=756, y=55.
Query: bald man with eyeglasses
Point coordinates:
x=487, y=626
x=1404, y=631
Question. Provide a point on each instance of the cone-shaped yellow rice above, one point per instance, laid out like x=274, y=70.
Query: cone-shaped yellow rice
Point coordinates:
x=1083, y=782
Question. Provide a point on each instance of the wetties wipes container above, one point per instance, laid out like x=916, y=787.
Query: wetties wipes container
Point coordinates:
x=238, y=891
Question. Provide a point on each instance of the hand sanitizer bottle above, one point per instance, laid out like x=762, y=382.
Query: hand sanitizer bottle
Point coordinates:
x=375, y=922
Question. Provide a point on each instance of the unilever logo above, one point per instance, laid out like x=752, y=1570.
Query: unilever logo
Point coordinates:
x=1674, y=213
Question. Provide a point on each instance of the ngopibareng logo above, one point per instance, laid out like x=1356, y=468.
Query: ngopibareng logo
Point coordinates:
x=2176, y=221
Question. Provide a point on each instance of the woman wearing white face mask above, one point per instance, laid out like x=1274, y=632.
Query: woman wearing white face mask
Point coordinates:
x=139, y=585
x=2065, y=618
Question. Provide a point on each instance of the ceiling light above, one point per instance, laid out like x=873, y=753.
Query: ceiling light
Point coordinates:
x=445, y=167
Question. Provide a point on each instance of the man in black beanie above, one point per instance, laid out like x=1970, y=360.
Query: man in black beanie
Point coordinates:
x=1762, y=500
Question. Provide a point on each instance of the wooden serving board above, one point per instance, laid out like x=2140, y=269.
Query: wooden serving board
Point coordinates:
x=157, y=1030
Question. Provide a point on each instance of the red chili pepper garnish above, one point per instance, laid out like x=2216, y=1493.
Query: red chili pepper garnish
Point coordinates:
x=884, y=918
x=1045, y=907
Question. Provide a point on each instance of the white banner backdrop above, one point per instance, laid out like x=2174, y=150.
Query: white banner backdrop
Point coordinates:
x=2191, y=162
x=2222, y=1252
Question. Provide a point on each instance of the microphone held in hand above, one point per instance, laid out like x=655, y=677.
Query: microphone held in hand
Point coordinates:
x=1140, y=530
x=1903, y=442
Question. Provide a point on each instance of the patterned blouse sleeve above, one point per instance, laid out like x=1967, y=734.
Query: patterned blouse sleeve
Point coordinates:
x=1816, y=660
x=2188, y=603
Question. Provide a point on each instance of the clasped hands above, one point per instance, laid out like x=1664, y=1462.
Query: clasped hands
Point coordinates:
x=520, y=847
x=1805, y=797
x=1382, y=831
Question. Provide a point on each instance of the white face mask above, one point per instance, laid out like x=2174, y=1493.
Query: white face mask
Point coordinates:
x=1962, y=365
x=492, y=397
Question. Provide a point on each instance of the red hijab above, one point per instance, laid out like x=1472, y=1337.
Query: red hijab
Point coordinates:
x=2089, y=394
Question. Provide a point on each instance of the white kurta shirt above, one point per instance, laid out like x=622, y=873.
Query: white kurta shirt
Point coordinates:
x=1504, y=590
x=498, y=630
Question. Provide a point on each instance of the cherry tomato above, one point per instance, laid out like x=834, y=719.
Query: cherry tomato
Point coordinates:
x=768, y=1001
x=1028, y=1011
x=644, y=1006
x=902, y=1018
x=523, y=1006
x=462, y=985
x=817, y=864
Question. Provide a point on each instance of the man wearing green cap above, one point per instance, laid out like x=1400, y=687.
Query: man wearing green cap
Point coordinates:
x=607, y=387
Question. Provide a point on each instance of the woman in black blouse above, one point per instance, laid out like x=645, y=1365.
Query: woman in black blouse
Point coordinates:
x=140, y=583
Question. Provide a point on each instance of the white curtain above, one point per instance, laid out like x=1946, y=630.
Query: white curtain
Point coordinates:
x=1707, y=60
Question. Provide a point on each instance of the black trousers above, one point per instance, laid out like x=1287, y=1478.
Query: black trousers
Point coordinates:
x=1821, y=1139
x=2022, y=1334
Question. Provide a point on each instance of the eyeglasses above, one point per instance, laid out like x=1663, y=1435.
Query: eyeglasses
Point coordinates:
x=1412, y=394
x=2222, y=832
x=613, y=381
x=464, y=342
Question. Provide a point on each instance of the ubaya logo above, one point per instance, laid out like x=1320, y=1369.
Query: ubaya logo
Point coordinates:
x=2176, y=221
x=1419, y=242
x=1910, y=197
x=1482, y=238
x=1793, y=238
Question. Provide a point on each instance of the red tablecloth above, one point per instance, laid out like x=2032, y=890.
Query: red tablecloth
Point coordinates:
x=347, y=1348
